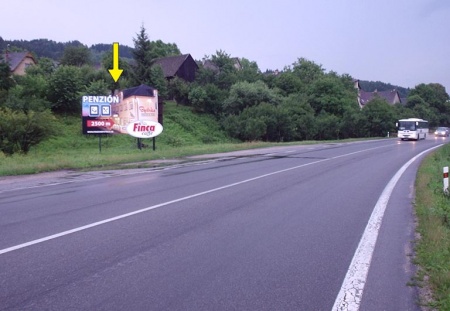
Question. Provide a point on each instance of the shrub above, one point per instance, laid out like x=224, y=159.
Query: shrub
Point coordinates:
x=19, y=131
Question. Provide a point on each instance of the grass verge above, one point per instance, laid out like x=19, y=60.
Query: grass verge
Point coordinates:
x=433, y=245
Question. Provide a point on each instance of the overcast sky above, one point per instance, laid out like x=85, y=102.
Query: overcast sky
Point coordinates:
x=402, y=42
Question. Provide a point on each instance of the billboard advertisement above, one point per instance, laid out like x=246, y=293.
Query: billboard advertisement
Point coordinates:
x=133, y=111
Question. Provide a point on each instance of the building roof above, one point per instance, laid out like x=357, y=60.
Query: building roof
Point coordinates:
x=141, y=90
x=15, y=58
x=391, y=96
x=171, y=64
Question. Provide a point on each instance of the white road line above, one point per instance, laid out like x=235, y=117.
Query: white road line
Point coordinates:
x=98, y=223
x=350, y=295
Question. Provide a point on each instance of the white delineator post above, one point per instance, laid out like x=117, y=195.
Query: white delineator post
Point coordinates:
x=445, y=179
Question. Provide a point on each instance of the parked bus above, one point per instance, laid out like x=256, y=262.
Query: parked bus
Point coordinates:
x=412, y=128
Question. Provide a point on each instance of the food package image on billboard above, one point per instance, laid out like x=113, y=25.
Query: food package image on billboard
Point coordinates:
x=113, y=114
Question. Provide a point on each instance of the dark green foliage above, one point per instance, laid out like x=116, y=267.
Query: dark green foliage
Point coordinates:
x=6, y=82
x=210, y=99
x=244, y=94
x=380, y=118
x=64, y=90
x=41, y=47
x=262, y=122
x=143, y=59
x=432, y=101
x=159, y=82
x=19, y=131
x=161, y=49
x=179, y=91
x=76, y=56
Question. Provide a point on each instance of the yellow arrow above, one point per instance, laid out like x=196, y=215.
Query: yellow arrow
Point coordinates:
x=115, y=72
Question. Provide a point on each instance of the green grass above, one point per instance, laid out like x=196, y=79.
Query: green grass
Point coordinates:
x=433, y=212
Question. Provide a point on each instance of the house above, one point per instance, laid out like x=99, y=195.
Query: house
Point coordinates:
x=182, y=66
x=19, y=61
x=209, y=64
x=392, y=96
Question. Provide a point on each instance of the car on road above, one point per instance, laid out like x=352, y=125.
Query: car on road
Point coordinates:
x=442, y=132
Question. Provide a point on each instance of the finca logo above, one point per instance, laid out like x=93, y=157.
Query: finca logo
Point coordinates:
x=144, y=129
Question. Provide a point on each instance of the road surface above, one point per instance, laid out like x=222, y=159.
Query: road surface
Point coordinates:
x=271, y=229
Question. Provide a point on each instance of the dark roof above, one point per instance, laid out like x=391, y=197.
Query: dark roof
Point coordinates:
x=14, y=58
x=208, y=64
x=171, y=64
x=141, y=90
x=389, y=96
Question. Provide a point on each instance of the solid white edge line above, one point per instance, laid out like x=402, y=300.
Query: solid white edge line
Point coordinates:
x=350, y=295
x=98, y=223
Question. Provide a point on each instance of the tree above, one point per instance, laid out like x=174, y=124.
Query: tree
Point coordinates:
x=437, y=99
x=301, y=117
x=207, y=99
x=159, y=81
x=19, y=131
x=249, y=72
x=307, y=71
x=141, y=73
x=65, y=86
x=245, y=94
x=329, y=93
x=380, y=117
x=161, y=49
x=227, y=73
x=76, y=56
x=6, y=82
x=29, y=94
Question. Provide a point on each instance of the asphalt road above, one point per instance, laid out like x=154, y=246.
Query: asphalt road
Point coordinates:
x=273, y=229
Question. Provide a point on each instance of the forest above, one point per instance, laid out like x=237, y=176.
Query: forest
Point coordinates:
x=303, y=101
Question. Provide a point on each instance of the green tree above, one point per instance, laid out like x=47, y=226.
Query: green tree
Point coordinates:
x=301, y=117
x=330, y=94
x=249, y=72
x=288, y=83
x=65, y=86
x=328, y=126
x=245, y=94
x=142, y=55
x=226, y=75
x=29, y=94
x=19, y=131
x=159, y=82
x=44, y=67
x=161, y=49
x=380, y=117
x=76, y=56
x=6, y=82
x=307, y=71
x=207, y=99
x=437, y=99
x=179, y=91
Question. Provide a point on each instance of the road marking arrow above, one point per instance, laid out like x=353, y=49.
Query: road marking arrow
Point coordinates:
x=115, y=72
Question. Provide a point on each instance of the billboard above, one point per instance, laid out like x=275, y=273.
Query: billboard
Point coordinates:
x=118, y=114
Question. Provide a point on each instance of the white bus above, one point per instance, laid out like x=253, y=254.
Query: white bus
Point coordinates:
x=412, y=128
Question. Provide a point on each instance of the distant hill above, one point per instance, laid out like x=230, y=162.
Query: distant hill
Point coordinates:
x=370, y=86
x=55, y=50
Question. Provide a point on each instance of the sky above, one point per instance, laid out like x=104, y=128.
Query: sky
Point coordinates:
x=402, y=42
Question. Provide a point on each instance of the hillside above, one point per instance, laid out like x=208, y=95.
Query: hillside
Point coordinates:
x=182, y=127
x=55, y=50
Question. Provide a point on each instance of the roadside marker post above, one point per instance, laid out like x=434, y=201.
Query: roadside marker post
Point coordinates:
x=445, y=179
